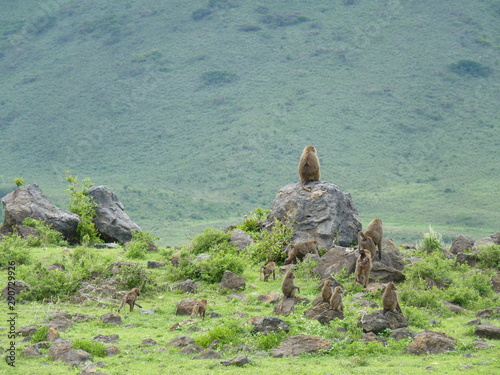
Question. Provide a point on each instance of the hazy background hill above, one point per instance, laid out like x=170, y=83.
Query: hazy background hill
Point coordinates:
x=196, y=113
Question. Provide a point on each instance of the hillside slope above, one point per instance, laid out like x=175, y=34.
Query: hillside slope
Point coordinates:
x=197, y=113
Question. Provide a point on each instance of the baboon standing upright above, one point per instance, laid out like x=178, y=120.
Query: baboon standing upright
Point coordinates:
x=309, y=166
x=363, y=267
x=390, y=299
x=336, y=299
x=130, y=298
x=372, y=238
x=287, y=286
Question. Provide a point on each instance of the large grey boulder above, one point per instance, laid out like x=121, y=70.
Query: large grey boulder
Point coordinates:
x=325, y=214
x=29, y=201
x=113, y=224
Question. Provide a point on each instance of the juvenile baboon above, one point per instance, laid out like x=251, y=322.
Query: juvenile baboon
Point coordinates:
x=309, y=166
x=300, y=250
x=390, y=299
x=268, y=270
x=336, y=299
x=327, y=291
x=363, y=267
x=372, y=238
x=200, y=308
x=287, y=286
x=130, y=298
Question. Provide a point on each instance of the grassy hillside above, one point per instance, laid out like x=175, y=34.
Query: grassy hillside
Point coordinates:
x=196, y=113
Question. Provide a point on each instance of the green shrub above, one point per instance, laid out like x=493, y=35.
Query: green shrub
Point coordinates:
x=139, y=245
x=470, y=68
x=208, y=240
x=435, y=266
x=489, y=256
x=48, y=236
x=272, y=243
x=94, y=348
x=82, y=204
x=40, y=334
x=136, y=276
x=14, y=249
x=251, y=224
x=217, y=77
x=269, y=340
x=417, y=317
x=431, y=242
x=19, y=181
x=228, y=333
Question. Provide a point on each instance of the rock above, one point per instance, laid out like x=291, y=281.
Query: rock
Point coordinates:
x=188, y=286
x=18, y=287
x=191, y=349
x=323, y=313
x=112, y=350
x=181, y=341
x=296, y=345
x=474, y=322
x=155, y=263
x=78, y=317
x=111, y=318
x=208, y=354
x=370, y=336
x=454, y=308
x=460, y=244
x=113, y=224
x=365, y=303
x=268, y=324
x=272, y=297
x=148, y=342
x=59, y=348
x=27, y=330
x=480, y=344
x=59, y=323
x=488, y=313
x=378, y=321
x=285, y=307
x=488, y=331
x=401, y=333
x=29, y=201
x=431, y=342
x=232, y=281
x=107, y=339
x=241, y=239
x=92, y=369
x=239, y=361
x=495, y=283
x=146, y=311
x=238, y=296
x=185, y=307
x=76, y=357
x=31, y=351
x=483, y=242
x=383, y=273
x=56, y=267
x=334, y=261
x=467, y=258
x=52, y=334
x=325, y=214
x=388, y=245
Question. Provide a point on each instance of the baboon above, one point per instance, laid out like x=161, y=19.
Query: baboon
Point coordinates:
x=372, y=238
x=287, y=286
x=200, y=308
x=309, y=166
x=363, y=267
x=268, y=270
x=130, y=298
x=327, y=291
x=390, y=299
x=336, y=299
x=300, y=250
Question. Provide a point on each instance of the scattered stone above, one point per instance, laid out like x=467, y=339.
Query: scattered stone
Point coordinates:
x=27, y=330
x=296, y=345
x=82, y=317
x=146, y=311
x=325, y=214
x=113, y=224
x=31, y=351
x=91, y=369
x=148, y=342
x=241, y=239
x=268, y=324
x=112, y=350
x=488, y=331
x=384, y=273
x=238, y=296
x=208, y=354
x=365, y=303
x=272, y=297
x=481, y=344
x=370, y=336
x=489, y=313
x=192, y=349
x=111, y=318
x=56, y=267
x=181, y=341
x=323, y=313
x=232, y=281
x=155, y=263
x=335, y=260
x=474, y=322
x=431, y=342
x=108, y=245
x=461, y=244
x=107, y=339
x=285, y=307
x=59, y=348
x=454, y=308
x=378, y=321
x=76, y=357
x=240, y=360
x=52, y=334
x=18, y=287
x=467, y=258
x=60, y=324
x=185, y=307
x=401, y=333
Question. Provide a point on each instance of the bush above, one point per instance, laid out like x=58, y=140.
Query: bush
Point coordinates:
x=227, y=333
x=141, y=242
x=48, y=236
x=40, y=334
x=269, y=340
x=208, y=240
x=135, y=276
x=272, y=243
x=252, y=223
x=212, y=269
x=432, y=241
x=94, y=348
x=82, y=204
x=14, y=248
x=489, y=256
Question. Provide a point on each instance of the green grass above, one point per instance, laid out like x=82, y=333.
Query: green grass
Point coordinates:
x=119, y=93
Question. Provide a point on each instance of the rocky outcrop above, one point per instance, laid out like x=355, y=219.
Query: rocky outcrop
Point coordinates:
x=232, y=281
x=325, y=214
x=30, y=202
x=378, y=321
x=431, y=342
x=296, y=345
x=113, y=224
